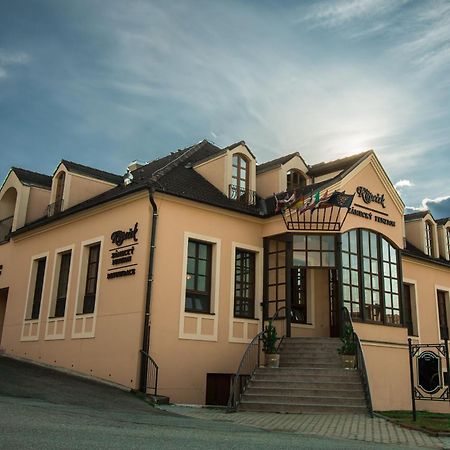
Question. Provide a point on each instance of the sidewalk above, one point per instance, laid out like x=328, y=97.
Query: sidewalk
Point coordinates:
x=358, y=427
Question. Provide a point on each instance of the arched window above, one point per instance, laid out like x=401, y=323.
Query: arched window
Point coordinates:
x=60, y=192
x=295, y=179
x=370, y=277
x=239, y=177
x=7, y=208
x=428, y=238
x=448, y=242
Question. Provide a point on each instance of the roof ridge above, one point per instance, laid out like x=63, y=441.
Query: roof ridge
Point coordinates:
x=30, y=171
x=185, y=153
x=88, y=167
x=356, y=155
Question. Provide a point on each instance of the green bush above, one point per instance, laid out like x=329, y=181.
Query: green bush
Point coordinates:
x=269, y=338
x=348, y=342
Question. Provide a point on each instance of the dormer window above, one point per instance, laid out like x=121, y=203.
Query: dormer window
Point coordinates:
x=239, y=188
x=428, y=238
x=57, y=206
x=295, y=180
x=448, y=242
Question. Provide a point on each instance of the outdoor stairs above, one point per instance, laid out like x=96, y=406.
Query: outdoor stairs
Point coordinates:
x=310, y=379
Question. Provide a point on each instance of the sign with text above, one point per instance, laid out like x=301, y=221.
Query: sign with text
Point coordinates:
x=122, y=254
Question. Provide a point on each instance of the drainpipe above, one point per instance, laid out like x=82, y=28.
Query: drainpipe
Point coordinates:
x=146, y=334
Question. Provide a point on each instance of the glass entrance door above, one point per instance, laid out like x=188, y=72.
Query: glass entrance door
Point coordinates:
x=299, y=296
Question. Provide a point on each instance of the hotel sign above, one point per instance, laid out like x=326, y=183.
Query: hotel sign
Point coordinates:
x=369, y=213
x=122, y=255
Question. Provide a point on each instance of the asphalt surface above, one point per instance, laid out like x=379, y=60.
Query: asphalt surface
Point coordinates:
x=45, y=409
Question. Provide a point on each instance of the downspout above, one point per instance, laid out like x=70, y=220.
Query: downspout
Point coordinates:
x=146, y=334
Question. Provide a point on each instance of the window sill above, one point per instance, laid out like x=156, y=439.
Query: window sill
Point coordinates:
x=57, y=317
x=246, y=318
x=204, y=313
x=85, y=314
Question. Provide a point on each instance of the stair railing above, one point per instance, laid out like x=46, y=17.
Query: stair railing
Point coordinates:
x=251, y=360
x=360, y=361
x=152, y=374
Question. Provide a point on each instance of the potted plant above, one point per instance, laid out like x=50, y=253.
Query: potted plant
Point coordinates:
x=348, y=348
x=269, y=339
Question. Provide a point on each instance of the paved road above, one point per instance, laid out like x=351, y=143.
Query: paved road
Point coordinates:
x=45, y=409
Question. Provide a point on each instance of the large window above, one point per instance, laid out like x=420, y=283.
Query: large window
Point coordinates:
x=428, y=238
x=294, y=180
x=63, y=282
x=350, y=277
x=198, y=277
x=443, y=314
x=38, y=287
x=91, y=279
x=370, y=277
x=314, y=250
x=409, y=309
x=244, y=284
x=239, y=177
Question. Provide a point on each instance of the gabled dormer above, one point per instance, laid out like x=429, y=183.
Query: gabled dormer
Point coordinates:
x=443, y=228
x=24, y=196
x=232, y=170
x=74, y=183
x=282, y=174
x=421, y=231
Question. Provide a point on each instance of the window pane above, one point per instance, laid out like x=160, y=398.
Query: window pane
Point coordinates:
x=365, y=243
x=354, y=277
x=366, y=263
x=345, y=244
x=313, y=259
x=346, y=276
x=373, y=245
x=353, y=246
x=299, y=259
x=328, y=243
x=202, y=251
x=313, y=242
x=299, y=242
x=328, y=259
x=202, y=265
x=354, y=261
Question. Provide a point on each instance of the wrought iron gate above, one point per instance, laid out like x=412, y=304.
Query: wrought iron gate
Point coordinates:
x=426, y=371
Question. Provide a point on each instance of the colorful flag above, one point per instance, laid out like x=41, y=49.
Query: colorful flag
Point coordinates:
x=281, y=204
x=340, y=199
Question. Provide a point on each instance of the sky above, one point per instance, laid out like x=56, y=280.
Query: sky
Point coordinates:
x=104, y=83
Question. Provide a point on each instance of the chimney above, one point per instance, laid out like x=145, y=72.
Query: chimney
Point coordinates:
x=135, y=165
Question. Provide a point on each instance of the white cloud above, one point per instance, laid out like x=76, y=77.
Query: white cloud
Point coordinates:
x=8, y=59
x=427, y=201
x=402, y=184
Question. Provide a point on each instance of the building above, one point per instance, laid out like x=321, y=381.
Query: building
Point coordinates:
x=184, y=257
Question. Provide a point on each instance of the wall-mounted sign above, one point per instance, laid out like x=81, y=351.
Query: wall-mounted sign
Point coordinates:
x=368, y=213
x=119, y=237
x=122, y=255
x=368, y=197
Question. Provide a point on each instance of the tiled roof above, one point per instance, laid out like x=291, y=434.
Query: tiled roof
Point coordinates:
x=30, y=178
x=414, y=252
x=443, y=221
x=92, y=172
x=338, y=164
x=269, y=165
x=174, y=175
x=416, y=215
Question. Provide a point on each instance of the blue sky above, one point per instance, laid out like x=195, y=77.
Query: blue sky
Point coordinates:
x=104, y=83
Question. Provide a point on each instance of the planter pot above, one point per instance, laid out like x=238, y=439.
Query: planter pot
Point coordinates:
x=348, y=361
x=272, y=360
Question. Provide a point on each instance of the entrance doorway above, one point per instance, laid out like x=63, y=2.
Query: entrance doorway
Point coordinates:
x=3, y=298
x=314, y=301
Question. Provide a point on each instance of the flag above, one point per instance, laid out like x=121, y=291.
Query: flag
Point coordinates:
x=340, y=199
x=298, y=203
x=311, y=202
x=281, y=204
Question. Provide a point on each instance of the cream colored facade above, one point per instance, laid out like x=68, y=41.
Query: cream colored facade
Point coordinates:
x=188, y=345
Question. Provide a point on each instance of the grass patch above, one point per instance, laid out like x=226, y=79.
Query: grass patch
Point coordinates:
x=429, y=421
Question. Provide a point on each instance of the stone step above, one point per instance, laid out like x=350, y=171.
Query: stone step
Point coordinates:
x=306, y=391
x=310, y=347
x=305, y=364
x=305, y=408
x=353, y=386
x=302, y=400
x=308, y=371
x=293, y=377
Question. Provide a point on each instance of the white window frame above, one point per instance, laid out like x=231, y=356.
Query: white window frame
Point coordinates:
x=81, y=284
x=215, y=289
x=30, y=293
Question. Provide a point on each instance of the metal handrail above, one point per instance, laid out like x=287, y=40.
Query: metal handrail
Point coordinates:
x=243, y=195
x=152, y=374
x=249, y=363
x=55, y=208
x=360, y=360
